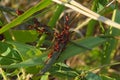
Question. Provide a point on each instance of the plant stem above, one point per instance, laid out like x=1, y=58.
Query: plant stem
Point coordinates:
x=51, y=61
x=3, y=74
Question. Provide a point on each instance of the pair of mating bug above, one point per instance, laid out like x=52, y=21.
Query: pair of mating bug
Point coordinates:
x=61, y=40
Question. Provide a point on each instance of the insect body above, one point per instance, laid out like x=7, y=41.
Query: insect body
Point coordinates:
x=61, y=39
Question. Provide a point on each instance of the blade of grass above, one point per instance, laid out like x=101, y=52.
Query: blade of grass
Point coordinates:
x=96, y=8
x=56, y=16
x=28, y=13
x=91, y=24
x=110, y=46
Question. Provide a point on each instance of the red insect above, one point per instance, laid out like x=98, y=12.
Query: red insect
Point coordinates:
x=50, y=54
x=61, y=38
x=19, y=12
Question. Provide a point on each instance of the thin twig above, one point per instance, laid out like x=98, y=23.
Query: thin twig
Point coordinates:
x=51, y=61
x=82, y=24
x=110, y=3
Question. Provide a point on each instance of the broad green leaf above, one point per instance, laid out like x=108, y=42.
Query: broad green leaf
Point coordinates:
x=28, y=13
x=4, y=47
x=31, y=56
x=26, y=51
x=45, y=76
x=7, y=54
x=40, y=60
x=25, y=36
x=72, y=50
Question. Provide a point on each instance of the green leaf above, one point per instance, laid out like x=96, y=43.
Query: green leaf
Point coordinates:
x=103, y=2
x=116, y=17
x=28, y=63
x=72, y=50
x=7, y=54
x=45, y=76
x=31, y=56
x=92, y=23
x=92, y=76
x=28, y=13
x=62, y=70
x=25, y=36
x=104, y=77
x=3, y=47
x=56, y=15
x=26, y=51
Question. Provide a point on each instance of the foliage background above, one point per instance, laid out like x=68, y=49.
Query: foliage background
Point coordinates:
x=23, y=51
